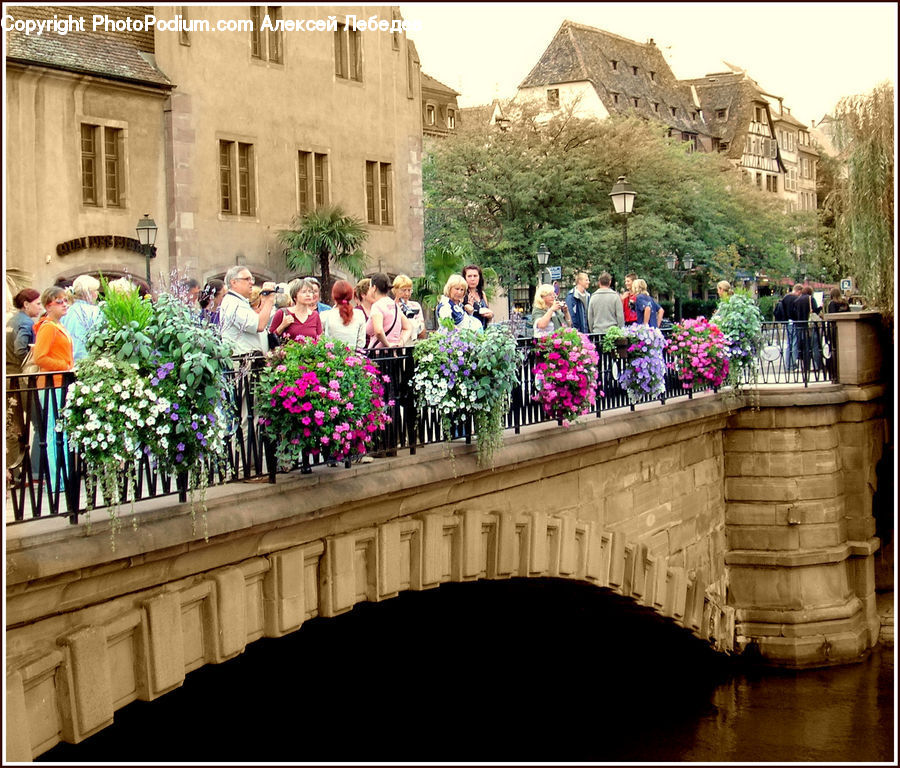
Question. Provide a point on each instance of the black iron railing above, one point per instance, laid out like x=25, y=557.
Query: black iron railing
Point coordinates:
x=49, y=479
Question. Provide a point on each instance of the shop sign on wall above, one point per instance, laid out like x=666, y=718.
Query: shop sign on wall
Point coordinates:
x=102, y=241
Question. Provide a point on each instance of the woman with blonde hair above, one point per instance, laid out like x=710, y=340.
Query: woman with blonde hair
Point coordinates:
x=451, y=305
x=83, y=314
x=724, y=289
x=549, y=313
x=402, y=290
x=648, y=311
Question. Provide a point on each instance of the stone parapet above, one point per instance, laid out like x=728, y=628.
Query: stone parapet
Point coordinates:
x=799, y=479
x=689, y=510
x=858, y=346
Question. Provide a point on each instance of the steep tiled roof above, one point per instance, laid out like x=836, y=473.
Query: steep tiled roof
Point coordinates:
x=481, y=114
x=735, y=93
x=142, y=40
x=582, y=53
x=117, y=56
x=436, y=85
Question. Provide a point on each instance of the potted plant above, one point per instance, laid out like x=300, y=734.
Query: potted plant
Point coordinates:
x=644, y=370
x=462, y=373
x=565, y=374
x=740, y=321
x=615, y=341
x=320, y=397
x=698, y=352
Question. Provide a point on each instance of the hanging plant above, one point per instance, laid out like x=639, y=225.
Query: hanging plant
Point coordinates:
x=112, y=416
x=565, y=374
x=698, y=351
x=320, y=397
x=462, y=373
x=643, y=374
x=741, y=322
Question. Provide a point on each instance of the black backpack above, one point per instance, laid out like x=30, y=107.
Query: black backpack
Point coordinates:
x=779, y=312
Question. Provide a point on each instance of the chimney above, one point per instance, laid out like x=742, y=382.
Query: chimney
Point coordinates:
x=650, y=42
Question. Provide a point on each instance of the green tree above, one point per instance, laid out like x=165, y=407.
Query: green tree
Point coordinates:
x=862, y=200
x=321, y=237
x=504, y=192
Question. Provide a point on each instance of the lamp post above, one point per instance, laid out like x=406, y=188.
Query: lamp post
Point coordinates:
x=672, y=263
x=623, y=201
x=543, y=256
x=146, y=232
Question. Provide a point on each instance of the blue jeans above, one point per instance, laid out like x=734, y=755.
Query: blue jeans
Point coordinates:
x=793, y=346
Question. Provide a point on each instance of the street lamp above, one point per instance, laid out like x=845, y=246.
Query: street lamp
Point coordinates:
x=623, y=201
x=672, y=263
x=543, y=256
x=146, y=232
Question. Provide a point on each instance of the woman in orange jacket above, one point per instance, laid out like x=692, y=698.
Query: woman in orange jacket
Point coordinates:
x=53, y=351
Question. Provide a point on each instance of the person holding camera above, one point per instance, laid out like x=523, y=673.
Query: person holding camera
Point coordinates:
x=475, y=303
x=302, y=319
x=549, y=313
x=240, y=325
x=411, y=310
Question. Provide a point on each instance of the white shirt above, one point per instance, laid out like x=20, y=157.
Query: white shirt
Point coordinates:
x=239, y=324
x=353, y=334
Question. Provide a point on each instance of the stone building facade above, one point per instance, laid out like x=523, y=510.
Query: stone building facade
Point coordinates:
x=231, y=122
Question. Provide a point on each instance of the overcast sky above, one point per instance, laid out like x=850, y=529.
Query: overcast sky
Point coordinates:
x=811, y=54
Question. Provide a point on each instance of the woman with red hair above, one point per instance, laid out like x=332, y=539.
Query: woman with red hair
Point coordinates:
x=341, y=322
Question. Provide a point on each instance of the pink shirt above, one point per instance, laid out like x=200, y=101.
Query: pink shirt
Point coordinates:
x=390, y=315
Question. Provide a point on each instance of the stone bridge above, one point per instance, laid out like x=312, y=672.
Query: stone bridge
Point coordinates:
x=747, y=522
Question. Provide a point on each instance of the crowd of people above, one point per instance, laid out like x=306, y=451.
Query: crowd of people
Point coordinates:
x=596, y=312
x=48, y=331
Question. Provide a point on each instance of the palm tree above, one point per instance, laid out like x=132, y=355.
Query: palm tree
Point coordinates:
x=321, y=237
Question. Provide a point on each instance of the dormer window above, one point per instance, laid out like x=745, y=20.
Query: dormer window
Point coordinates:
x=656, y=106
x=553, y=97
x=451, y=119
x=429, y=115
x=721, y=114
x=693, y=115
x=615, y=98
x=759, y=114
x=614, y=64
x=674, y=111
x=634, y=71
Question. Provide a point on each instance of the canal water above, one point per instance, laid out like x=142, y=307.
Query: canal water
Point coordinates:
x=513, y=671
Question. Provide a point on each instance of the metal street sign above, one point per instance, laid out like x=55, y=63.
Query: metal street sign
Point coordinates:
x=847, y=284
x=555, y=273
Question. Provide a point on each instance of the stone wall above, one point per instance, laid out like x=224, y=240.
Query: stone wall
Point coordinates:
x=800, y=474
x=680, y=508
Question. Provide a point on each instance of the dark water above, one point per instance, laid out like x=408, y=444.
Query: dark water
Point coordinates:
x=521, y=671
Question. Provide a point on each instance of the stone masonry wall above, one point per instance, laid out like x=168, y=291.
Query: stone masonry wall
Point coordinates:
x=747, y=527
x=801, y=535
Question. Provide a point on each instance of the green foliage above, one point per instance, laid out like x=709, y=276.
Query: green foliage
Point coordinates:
x=862, y=199
x=323, y=236
x=766, y=306
x=461, y=373
x=739, y=319
x=505, y=192
x=691, y=308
